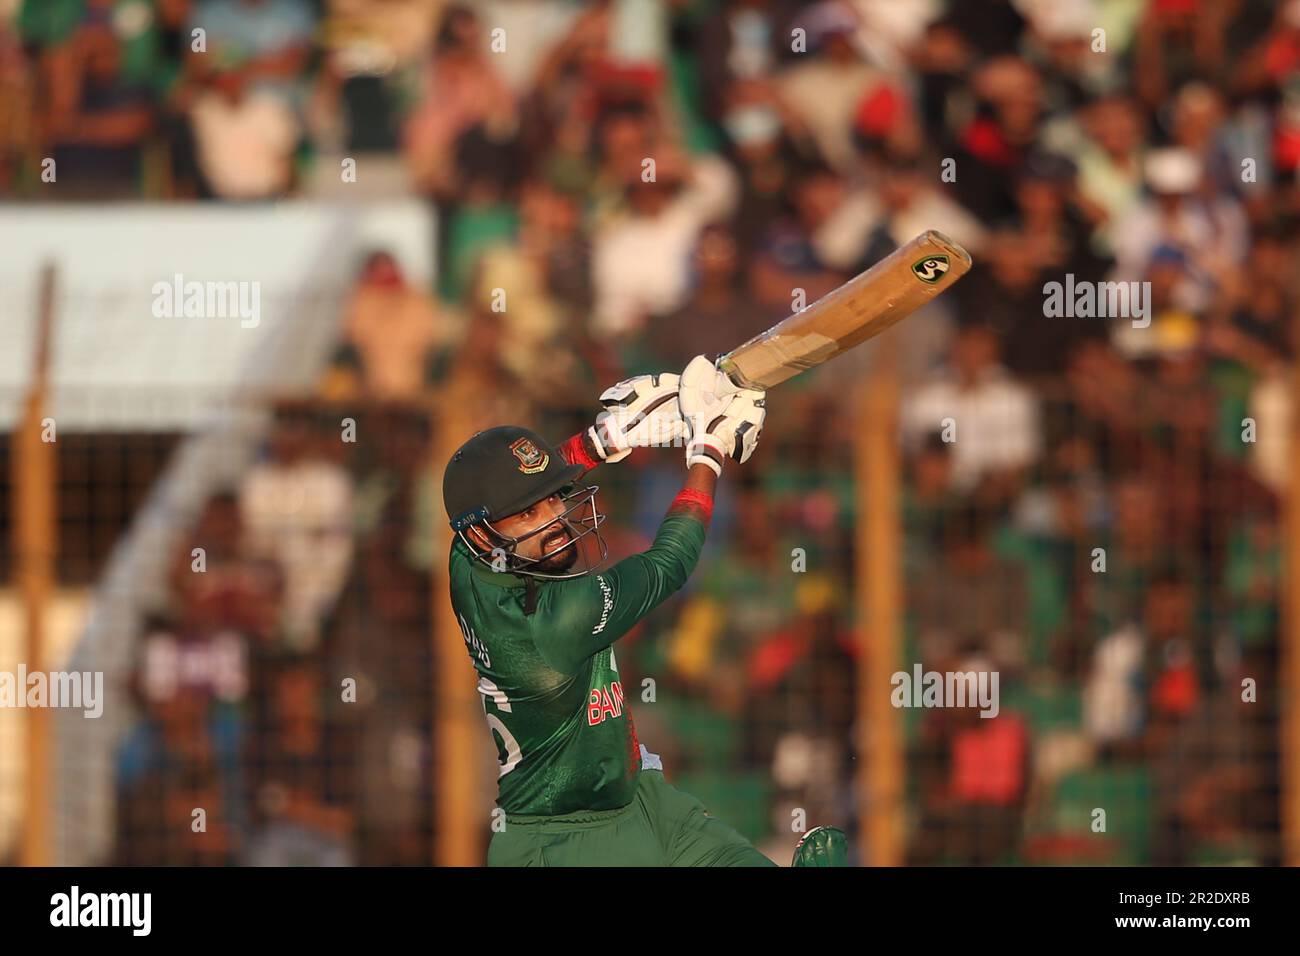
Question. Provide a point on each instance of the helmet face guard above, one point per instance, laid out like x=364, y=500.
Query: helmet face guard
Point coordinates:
x=580, y=518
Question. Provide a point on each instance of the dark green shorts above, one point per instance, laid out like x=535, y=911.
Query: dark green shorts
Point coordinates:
x=661, y=827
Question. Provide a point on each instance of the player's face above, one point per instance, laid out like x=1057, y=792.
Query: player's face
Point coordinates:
x=544, y=514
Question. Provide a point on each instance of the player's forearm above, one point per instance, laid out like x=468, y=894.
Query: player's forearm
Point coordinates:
x=669, y=561
x=677, y=546
x=676, y=549
x=696, y=496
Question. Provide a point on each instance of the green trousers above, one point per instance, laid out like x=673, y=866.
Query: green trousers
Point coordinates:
x=661, y=827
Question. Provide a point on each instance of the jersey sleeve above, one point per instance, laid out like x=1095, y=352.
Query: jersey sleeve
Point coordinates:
x=581, y=616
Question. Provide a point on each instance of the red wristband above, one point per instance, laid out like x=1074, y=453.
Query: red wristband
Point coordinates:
x=689, y=497
x=575, y=452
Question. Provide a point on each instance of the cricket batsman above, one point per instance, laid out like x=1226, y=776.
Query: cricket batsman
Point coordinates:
x=576, y=786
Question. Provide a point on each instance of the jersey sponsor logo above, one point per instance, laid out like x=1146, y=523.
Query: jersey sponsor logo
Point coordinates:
x=531, y=458
x=607, y=604
x=604, y=703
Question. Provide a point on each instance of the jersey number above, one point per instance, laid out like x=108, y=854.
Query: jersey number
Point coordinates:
x=513, y=754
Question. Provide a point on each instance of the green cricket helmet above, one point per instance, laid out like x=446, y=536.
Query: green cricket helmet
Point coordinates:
x=502, y=471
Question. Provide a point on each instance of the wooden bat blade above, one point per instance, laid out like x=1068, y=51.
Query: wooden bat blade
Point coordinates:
x=861, y=309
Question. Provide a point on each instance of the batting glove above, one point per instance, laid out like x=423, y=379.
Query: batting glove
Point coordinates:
x=723, y=420
x=640, y=412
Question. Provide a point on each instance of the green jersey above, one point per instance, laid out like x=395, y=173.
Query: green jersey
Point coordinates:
x=549, y=680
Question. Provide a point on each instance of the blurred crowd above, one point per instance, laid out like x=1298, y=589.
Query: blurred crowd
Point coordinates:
x=1091, y=503
x=284, y=689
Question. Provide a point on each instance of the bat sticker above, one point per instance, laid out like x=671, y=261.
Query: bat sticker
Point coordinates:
x=931, y=269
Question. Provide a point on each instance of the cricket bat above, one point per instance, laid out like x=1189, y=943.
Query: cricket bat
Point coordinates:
x=861, y=309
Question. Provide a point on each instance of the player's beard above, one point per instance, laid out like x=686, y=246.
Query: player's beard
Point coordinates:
x=562, y=561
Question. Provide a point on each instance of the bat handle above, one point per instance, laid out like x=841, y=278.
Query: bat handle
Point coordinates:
x=728, y=368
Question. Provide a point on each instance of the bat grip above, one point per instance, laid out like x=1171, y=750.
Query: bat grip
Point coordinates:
x=723, y=365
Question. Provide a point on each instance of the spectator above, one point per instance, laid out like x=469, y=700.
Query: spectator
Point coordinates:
x=184, y=756
x=1176, y=651
x=767, y=161
x=739, y=45
x=268, y=42
x=484, y=214
x=1002, y=134
x=1135, y=550
x=301, y=793
x=462, y=89
x=222, y=588
x=719, y=313
x=540, y=286
x=904, y=203
x=1110, y=164
x=394, y=328
x=992, y=26
x=478, y=382
x=244, y=139
x=639, y=260
x=943, y=56
x=825, y=88
x=1252, y=579
x=790, y=260
x=1177, y=41
x=1259, y=333
x=370, y=49
x=1062, y=39
x=297, y=506
x=978, y=592
x=929, y=501
x=1216, y=780
x=975, y=772
x=1114, y=712
x=1274, y=56
x=97, y=121
x=1203, y=237
x=552, y=235
x=1199, y=127
x=995, y=418
x=1271, y=407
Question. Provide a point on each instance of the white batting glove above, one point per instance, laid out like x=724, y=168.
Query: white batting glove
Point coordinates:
x=743, y=424
x=722, y=419
x=640, y=412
